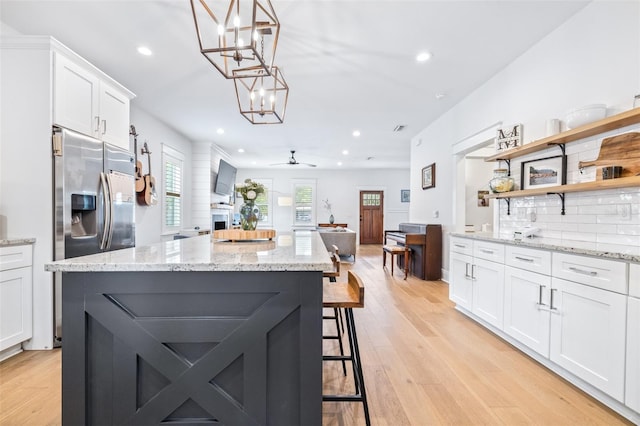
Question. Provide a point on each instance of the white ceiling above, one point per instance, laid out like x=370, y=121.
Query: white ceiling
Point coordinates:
x=349, y=64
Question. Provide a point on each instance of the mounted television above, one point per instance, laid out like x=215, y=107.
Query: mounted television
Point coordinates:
x=226, y=179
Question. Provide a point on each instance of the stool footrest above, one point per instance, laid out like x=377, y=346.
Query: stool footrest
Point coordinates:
x=337, y=358
x=353, y=398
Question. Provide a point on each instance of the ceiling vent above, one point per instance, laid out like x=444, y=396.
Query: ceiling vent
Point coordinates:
x=399, y=128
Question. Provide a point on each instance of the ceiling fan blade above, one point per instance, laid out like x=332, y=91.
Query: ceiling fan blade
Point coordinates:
x=293, y=161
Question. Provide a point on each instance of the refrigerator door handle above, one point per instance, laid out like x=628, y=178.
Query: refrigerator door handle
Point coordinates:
x=111, y=210
x=107, y=211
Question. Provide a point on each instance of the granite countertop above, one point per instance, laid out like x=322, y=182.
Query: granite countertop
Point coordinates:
x=16, y=242
x=298, y=251
x=611, y=251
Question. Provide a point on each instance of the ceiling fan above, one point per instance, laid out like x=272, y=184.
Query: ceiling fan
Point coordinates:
x=293, y=162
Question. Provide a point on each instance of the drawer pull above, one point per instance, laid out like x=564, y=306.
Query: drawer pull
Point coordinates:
x=460, y=246
x=583, y=272
x=524, y=259
x=487, y=251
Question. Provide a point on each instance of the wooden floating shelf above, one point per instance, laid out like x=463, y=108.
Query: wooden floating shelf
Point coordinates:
x=574, y=187
x=617, y=121
x=241, y=235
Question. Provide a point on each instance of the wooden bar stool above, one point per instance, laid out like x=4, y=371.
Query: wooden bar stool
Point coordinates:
x=348, y=295
x=394, y=250
x=337, y=316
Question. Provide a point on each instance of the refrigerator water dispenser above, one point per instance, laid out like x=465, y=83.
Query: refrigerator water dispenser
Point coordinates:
x=83, y=215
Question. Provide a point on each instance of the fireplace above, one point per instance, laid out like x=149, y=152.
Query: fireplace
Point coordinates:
x=220, y=219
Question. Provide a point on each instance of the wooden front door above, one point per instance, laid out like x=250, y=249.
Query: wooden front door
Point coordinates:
x=371, y=217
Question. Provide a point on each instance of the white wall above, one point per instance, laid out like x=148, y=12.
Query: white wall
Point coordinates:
x=156, y=133
x=341, y=188
x=593, y=58
x=478, y=173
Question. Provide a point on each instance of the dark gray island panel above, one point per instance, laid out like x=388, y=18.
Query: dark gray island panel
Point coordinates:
x=218, y=347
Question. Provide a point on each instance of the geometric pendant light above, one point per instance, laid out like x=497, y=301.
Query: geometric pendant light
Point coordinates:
x=262, y=98
x=236, y=36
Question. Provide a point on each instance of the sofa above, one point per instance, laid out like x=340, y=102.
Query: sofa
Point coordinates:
x=344, y=239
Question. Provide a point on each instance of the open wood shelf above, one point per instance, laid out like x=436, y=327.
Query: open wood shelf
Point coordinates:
x=574, y=187
x=617, y=121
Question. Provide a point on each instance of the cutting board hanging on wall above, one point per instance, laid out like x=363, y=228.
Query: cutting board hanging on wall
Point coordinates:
x=620, y=150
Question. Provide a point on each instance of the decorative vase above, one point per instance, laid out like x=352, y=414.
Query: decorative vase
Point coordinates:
x=501, y=181
x=331, y=219
x=249, y=215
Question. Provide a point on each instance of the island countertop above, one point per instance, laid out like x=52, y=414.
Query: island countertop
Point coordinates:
x=297, y=251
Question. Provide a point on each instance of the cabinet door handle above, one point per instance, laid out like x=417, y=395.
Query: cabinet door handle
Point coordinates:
x=104, y=126
x=487, y=251
x=473, y=272
x=524, y=259
x=540, y=296
x=466, y=271
x=583, y=272
x=97, y=124
x=551, y=300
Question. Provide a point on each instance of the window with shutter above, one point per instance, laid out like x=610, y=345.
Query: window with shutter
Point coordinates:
x=172, y=162
x=304, y=202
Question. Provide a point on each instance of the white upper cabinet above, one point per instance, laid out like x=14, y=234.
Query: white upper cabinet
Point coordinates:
x=84, y=102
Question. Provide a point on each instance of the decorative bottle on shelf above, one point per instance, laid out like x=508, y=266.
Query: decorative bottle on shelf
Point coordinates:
x=501, y=181
x=331, y=219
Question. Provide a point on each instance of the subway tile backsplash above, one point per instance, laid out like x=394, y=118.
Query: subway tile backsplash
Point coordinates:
x=605, y=219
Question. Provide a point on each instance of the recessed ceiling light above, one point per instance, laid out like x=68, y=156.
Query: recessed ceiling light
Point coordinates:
x=241, y=150
x=423, y=56
x=440, y=96
x=356, y=133
x=345, y=152
x=254, y=162
x=339, y=163
x=144, y=50
x=220, y=131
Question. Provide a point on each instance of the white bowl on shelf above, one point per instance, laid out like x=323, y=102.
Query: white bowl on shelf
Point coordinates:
x=580, y=116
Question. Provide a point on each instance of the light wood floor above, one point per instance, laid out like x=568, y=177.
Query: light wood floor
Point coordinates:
x=424, y=364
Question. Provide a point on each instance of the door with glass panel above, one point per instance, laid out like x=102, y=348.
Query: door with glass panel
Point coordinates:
x=371, y=217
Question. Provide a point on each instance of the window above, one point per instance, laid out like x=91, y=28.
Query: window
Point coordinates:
x=172, y=169
x=304, y=202
x=263, y=202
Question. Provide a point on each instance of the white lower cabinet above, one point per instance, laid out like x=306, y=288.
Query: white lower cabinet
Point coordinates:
x=488, y=291
x=15, y=295
x=632, y=388
x=526, y=308
x=477, y=278
x=580, y=313
x=588, y=327
x=461, y=284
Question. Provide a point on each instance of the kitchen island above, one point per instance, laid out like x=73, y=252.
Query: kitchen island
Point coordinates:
x=195, y=330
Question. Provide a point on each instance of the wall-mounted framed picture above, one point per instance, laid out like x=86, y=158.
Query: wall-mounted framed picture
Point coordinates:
x=550, y=171
x=429, y=176
x=482, y=201
x=404, y=195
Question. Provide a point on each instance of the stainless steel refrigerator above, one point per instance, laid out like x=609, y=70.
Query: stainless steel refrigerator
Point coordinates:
x=94, y=202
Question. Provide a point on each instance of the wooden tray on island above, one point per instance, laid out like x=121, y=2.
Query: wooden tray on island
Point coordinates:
x=241, y=235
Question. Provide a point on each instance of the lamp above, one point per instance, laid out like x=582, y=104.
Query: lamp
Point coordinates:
x=285, y=201
x=262, y=98
x=232, y=34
